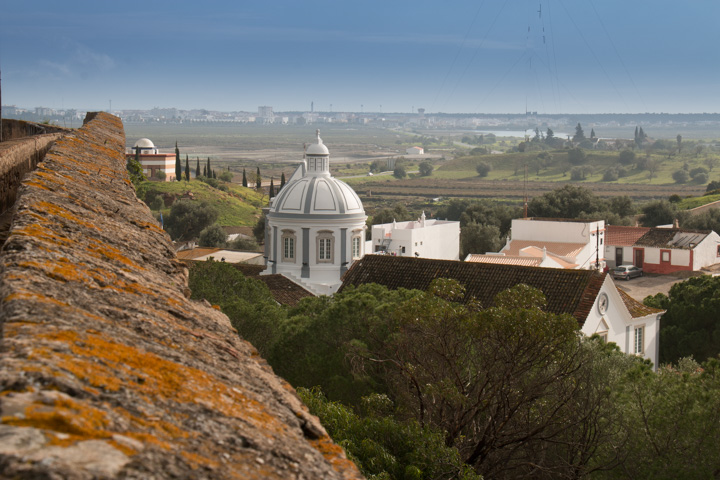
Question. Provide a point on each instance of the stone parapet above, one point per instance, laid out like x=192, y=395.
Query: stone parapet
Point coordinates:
x=107, y=369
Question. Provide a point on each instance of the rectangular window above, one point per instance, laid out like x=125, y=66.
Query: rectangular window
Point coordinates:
x=639, y=340
x=665, y=256
x=324, y=249
x=356, y=247
x=289, y=248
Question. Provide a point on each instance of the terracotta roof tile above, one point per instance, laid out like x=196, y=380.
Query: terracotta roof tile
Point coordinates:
x=283, y=290
x=636, y=308
x=505, y=259
x=567, y=291
x=620, y=236
x=672, y=238
x=558, y=248
x=196, y=253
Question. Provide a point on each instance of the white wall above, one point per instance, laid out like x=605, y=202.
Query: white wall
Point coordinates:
x=556, y=231
x=706, y=252
x=438, y=239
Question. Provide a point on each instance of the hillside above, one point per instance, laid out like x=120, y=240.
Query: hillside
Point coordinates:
x=237, y=206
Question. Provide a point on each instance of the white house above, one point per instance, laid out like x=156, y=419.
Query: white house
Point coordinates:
x=315, y=226
x=414, y=151
x=427, y=238
x=591, y=297
x=574, y=244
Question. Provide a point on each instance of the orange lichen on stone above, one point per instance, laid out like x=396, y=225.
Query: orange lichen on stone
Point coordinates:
x=56, y=210
x=334, y=454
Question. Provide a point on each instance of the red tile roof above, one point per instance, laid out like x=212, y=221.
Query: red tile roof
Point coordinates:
x=636, y=308
x=563, y=249
x=620, y=236
x=528, y=261
x=567, y=291
x=283, y=290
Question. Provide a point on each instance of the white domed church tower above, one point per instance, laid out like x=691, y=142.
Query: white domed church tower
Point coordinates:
x=315, y=227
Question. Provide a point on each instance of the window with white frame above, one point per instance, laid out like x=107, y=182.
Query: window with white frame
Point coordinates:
x=665, y=256
x=356, y=247
x=325, y=244
x=639, y=344
x=288, y=240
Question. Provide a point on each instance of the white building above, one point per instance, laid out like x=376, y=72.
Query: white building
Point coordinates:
x=315, y=226
x=426, y=238
x=152, y=161
x=414, y=151
x=575, y=244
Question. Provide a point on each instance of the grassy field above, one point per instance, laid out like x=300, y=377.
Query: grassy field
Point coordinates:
x=238, y=206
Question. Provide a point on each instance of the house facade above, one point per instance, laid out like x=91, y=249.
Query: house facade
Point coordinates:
x=591, y=297
x=426, y=238
x=152, y=161
x=663, y=250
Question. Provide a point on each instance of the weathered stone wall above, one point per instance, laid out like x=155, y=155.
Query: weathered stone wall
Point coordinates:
x=18, y=157
x=107, y=369
x=13, y=129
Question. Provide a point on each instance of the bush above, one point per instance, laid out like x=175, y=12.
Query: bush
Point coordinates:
x=213, y=236
x=577, y=156
x=610, y=175
x=712, y=186
x=242, y=243
x=399, y=172
x=160, y=175
x=157, y=204
x=626, y=157
x=426, y=169
x=698, y=171
x=188, y=218
x=700, y=178
x=578, y=173
x=226, y=176
x=483, y=169
x=681, y=176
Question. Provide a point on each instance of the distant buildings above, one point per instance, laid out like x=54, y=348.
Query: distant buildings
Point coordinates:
x=415, y=151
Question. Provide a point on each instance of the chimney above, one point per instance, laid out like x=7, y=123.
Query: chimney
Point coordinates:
x=676, y=223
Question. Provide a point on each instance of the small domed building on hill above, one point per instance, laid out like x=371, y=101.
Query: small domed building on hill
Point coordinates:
x=152, y=160
x=315, y=226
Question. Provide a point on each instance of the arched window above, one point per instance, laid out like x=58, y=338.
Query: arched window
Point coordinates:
x=325, y=246
x=288, y=240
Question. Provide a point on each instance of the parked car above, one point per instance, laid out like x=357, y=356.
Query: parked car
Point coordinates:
x=626, y=272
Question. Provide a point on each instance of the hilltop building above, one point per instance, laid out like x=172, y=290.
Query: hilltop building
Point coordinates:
x=152, y=160
x=315, y=226
x=427, y=238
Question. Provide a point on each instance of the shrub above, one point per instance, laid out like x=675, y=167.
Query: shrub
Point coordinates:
x=399, y=172
x=610, y=175
x=226, y=176
x=213, y=236
x=483, y=169
x=681, y=176
x=577, y=156
x=626, y=157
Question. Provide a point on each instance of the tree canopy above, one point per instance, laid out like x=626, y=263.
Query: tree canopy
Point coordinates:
x=188, y=218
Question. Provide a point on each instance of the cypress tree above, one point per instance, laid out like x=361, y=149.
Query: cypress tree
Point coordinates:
x=178, y=165
x=244, y=183
x=187, y=169
x=282, y=180
x=271, y=194
x=209, y=170
x=197, y=168
x=205, y=172
x=214, y=175
x=258, y=179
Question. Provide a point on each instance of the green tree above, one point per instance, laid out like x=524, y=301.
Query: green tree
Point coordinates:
x=244, y=180
x=226, y=176
x=178, y=165
x=483, y=169
x=381, y=445
x=478, y=238
x=577, y=156
x=592, y=134
x=271, y=193
x=626, y=157
x=157, y=204
x=690, y=326
x=187, y=169
x=399, y=172
x=569, y=201
x=188, y=218
x=622, y=205
x=213, y=236
x=197, y=168
x=659, y=212
x=209, y=169
x=425, y=169
x=679, y=142
x=681, y=176
x=579, y=134
x=282, y=180
x=246, y=244
x=134, y=168
x=258, y=179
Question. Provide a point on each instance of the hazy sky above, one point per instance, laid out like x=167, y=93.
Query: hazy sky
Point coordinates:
x=577, y=56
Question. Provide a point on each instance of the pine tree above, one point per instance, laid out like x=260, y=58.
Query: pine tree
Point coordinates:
x=282, y=180
x=244, y=182
x=579, y=134
x=178, y=165
x=592, y=133
x=271, y=194
x=197, y=168
x=258, y=179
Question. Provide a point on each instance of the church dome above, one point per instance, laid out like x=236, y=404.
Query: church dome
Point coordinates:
x=316, y=192
x=144, y=143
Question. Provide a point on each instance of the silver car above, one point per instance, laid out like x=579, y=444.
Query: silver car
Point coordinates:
x=626, y=272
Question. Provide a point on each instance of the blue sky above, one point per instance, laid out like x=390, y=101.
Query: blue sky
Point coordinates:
x=486, y=56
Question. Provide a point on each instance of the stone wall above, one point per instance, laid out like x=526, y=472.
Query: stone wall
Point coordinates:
x=107, y=369
x=17, y=158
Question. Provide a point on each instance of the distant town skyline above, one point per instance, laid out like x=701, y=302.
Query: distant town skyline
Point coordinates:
x=548, y=56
